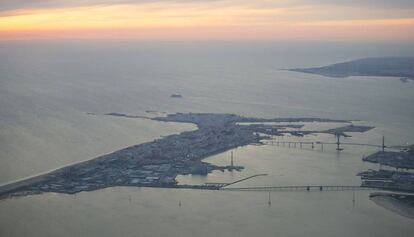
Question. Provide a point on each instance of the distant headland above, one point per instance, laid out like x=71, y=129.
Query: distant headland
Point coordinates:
x=402, y=67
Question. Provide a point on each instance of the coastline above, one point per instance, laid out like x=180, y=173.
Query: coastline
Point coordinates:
x=391, y=202
x=157, y=163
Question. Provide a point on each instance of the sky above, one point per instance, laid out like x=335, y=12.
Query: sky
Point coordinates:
x=316, y=20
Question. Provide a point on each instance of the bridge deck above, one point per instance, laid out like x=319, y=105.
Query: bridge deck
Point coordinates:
x=300, y=188
x=282, y=143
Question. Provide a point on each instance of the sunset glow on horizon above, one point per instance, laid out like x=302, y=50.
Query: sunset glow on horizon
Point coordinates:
x=207, y=20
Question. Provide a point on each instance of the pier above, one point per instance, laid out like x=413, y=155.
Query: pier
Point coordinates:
x=222, y=185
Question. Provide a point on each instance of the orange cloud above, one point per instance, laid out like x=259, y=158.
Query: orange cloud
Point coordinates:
x=177, y=21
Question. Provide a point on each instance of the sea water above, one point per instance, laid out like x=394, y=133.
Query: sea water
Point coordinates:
x=53, y=96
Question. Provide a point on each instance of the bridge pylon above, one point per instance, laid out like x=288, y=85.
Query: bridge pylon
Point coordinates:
x=231, y=161
x=338, y=143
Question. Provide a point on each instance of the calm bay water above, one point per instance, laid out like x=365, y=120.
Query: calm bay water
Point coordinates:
x=47, y=90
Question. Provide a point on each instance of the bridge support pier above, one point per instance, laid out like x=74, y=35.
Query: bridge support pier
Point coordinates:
x=338, y=148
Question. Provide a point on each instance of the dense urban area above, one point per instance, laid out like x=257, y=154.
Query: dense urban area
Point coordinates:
x=157, y=163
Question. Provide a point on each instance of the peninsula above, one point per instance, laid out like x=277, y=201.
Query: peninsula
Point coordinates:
x=402, y=67
x=157, y=163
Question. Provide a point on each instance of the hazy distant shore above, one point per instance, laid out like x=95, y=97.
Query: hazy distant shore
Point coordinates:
x=401, y=67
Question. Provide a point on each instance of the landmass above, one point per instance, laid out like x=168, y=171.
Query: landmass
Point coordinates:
x=388, y=179
x=127, y=116
x=400, y=203
x=400, y=180
x=397, y=159
x=157, y=163
x=397, y=179
x=402, y=67
x=176, y=96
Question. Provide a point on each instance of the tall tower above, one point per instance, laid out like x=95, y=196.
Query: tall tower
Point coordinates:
x=383, y=143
